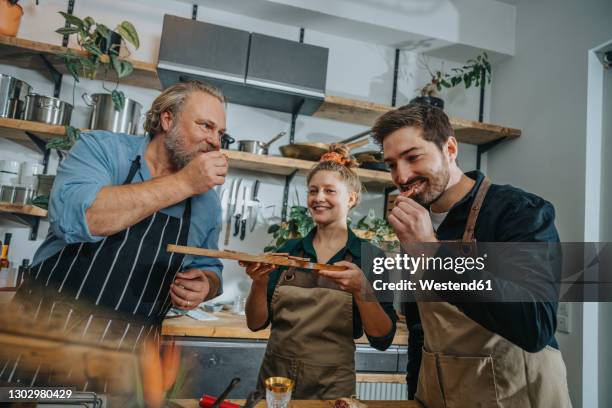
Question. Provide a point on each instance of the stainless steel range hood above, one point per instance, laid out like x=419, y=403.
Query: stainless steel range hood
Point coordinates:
x=251, y=69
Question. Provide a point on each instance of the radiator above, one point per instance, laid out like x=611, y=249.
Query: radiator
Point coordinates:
x=381, y=391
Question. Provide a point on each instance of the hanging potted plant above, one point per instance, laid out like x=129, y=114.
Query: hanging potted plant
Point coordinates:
x=102, y=47
x=10, y=17
x=474, y=72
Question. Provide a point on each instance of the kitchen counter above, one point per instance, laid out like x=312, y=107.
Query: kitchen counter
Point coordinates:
x=226, y=348
x=234, y=326
x=316, y=404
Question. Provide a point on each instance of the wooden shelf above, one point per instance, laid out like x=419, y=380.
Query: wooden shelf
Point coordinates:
x=350, y=110
x=23, y=209
x=365, y=113
x=285, y=166
x=15, y=130
x=27, y=54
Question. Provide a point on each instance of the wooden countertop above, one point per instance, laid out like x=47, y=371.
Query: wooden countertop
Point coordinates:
x=185, y=403
x=234, y=326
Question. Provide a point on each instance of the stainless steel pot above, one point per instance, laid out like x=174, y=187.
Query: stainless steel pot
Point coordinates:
x=13, y=94
x=7, y=193
x=257, y=147
x=22, y=195
x=44, y=185
x=252, y=146
x=46, y=109
x=105, y=117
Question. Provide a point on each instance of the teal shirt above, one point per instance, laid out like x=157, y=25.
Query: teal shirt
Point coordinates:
x=304, y=247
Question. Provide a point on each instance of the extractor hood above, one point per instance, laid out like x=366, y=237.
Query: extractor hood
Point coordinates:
x=251, y=69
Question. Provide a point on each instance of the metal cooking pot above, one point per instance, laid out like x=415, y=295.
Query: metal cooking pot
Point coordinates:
x=105, y=117
x=46, y=109
x=257, y=147
x=13, y=94
x=45, y=184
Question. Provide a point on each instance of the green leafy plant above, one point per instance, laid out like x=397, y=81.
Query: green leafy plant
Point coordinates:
x=41, y=201
x=376, y=230
x=66, y=142
x=299, y=224
x=472, y=73
x=101, y=53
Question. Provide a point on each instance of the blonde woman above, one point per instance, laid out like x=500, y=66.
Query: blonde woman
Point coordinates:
x=315, y=317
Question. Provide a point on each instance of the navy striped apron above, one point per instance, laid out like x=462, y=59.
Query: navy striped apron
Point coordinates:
x=112, y=292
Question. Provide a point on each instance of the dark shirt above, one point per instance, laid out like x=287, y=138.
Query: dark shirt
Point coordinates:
x=304, y=247
x=508, y=214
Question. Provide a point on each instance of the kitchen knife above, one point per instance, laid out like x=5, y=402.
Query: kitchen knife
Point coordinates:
x=253, y=398
x=231, y=207
x=240, y=202
x=226, y=392
x=245, y=212
x=224, y=201
x=255, y=200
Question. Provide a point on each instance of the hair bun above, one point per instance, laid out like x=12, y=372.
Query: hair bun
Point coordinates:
x=339, y=153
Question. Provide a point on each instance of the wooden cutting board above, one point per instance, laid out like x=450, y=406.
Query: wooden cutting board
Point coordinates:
x=184, y=403
x=280, y=260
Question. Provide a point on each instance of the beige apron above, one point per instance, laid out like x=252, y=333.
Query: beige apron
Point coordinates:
x=311, y=340
x=466, y=365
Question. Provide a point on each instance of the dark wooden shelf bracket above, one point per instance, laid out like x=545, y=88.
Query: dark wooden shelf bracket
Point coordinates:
x=485, y=147
x=30, y=221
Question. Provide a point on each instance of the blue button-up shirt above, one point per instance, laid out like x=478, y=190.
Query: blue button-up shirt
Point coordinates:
x=101, y=158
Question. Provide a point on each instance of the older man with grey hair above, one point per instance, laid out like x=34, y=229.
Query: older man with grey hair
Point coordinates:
x=103, y=272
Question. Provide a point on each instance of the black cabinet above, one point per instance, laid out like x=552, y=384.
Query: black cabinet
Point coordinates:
x=204, y=49
x=211, y=53
x=288, y=68
x=251, y=69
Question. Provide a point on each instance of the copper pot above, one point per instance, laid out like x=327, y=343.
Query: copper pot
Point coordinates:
x=10, y=18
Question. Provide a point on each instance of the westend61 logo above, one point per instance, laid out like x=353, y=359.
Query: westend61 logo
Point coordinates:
x=412, y=264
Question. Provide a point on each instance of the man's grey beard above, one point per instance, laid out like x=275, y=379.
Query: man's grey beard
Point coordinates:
x=175, y=144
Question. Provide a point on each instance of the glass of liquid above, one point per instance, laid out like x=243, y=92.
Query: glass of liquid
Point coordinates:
x=278, y=391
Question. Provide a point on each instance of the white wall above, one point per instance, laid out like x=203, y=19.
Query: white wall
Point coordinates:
x=542, y=90
x=605, y=309
x=422, y=25
x=606, y=152
x=356, y=69
x=605, y=355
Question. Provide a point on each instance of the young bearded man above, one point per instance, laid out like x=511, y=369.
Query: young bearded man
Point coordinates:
x=469, y=353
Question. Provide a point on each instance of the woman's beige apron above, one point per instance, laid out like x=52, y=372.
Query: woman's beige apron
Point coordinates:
x=311, y=340
x=466, y=365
